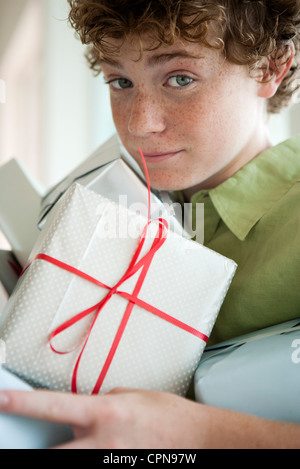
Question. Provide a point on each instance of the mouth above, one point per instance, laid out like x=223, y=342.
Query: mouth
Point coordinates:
x=157, y=157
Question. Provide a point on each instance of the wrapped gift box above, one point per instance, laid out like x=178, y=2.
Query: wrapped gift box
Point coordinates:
x=258, y=373
x=3, y=300
x=118, y=182
x=20, y=199
x=10, y=270
x=185, y=286
x=112, y=172
x=86, y=171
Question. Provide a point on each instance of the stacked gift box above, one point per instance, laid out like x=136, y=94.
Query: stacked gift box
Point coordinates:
x=10, y=270
x=106, y=298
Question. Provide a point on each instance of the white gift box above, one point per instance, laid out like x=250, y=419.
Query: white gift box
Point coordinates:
x=118, y=182
x=185, y=285
x=9, y=270
x=9, y=275
x=3, y=299
x=86, y=171
x=258, y=373
x=112, y=172
x=20, y=199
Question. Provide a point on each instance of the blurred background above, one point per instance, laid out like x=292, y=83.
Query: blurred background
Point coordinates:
x=55, y=112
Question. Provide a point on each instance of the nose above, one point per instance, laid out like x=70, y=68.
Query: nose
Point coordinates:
x=146, y=115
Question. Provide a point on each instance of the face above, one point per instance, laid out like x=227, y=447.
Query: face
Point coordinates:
x=196, y=117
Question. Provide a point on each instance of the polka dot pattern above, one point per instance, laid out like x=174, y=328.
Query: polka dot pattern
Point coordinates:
x=186, y=280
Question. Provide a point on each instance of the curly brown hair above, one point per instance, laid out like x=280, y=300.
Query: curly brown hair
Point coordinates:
x=250, y=30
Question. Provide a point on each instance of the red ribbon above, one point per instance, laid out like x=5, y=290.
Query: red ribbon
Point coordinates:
x=135, y=265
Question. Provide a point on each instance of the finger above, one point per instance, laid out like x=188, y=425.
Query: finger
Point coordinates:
x=51, y=406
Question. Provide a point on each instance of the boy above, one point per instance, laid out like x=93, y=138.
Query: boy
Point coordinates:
x=191, y=83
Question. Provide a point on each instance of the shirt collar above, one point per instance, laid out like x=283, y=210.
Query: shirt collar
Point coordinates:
x=246, y=196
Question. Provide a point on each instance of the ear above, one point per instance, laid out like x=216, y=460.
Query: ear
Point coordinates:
x=275, y=72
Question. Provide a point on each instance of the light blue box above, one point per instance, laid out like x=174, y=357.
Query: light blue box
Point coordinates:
x=258, y=374
x=24, y=433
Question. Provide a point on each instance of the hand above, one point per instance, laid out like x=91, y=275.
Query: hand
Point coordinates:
x=127, y=418
x=120, y=419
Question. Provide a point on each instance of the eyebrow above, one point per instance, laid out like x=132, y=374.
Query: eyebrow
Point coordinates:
x=163, y=58
x=155, y=59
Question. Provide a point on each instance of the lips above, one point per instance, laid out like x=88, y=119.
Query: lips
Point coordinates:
x=155, y=157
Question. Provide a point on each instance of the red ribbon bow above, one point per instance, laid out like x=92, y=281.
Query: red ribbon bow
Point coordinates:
x=135, y=265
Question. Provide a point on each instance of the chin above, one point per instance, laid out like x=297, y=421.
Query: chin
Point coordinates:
x=165, y=187
x=170, y=186
x=161, y=181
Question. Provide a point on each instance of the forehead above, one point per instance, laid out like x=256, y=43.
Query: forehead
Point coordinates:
x=149, y=52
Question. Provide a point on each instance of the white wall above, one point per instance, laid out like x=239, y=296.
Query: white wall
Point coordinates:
x=73, y=125
x=56, y=112
x=285, y=125
x=21, y=69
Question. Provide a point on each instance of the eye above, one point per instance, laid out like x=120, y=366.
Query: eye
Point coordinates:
x=179, y=81
x=120, y=83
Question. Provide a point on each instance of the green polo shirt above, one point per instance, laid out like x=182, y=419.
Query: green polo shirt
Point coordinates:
x=254, y=219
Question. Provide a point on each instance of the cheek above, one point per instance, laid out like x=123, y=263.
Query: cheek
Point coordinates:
x=118, y=114
x=197, y=120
